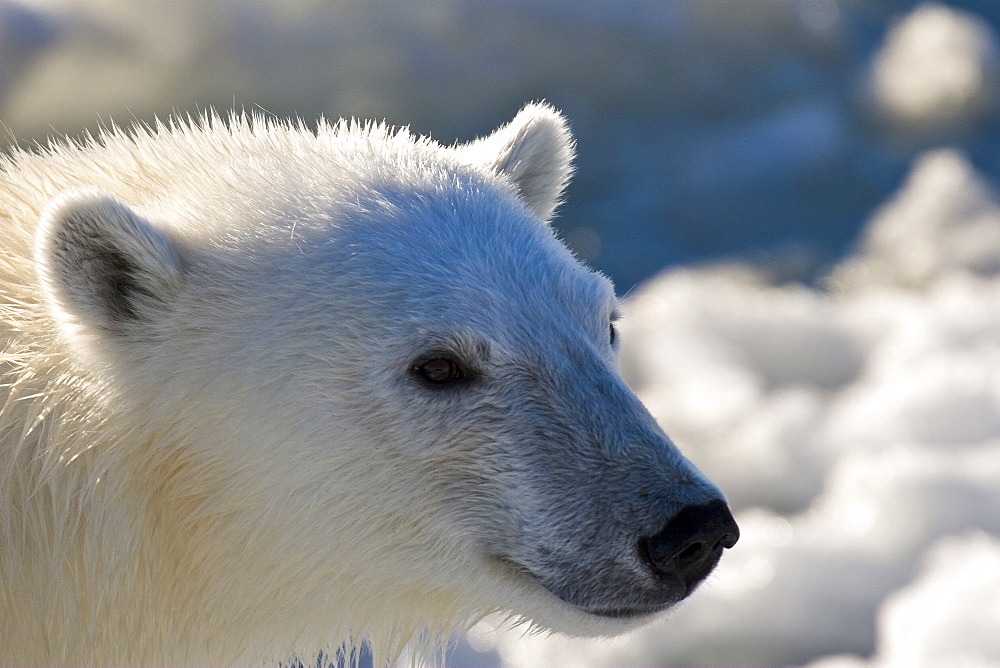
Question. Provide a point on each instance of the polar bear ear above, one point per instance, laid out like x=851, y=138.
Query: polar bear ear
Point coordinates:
x=535, y=151
x=102, y=266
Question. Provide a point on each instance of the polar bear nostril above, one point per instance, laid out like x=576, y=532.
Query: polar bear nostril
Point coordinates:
x=729, y=538
x=690, y=544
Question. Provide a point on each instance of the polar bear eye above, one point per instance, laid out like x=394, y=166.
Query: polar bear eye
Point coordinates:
x=439, y=371
x=612, y=330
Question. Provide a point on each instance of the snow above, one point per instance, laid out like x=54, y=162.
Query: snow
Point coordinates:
x=938, y=67
x=954, y=597
x=803, y=192
x=946, y=216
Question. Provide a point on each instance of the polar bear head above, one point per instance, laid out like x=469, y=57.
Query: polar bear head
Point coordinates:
x=373, y=392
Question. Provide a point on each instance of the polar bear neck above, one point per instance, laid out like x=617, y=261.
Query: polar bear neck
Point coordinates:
x=83, y=495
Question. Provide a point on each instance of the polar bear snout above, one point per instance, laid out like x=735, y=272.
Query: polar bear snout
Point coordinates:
x=686, y=550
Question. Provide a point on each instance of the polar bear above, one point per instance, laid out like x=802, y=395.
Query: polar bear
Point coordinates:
x=269, y=391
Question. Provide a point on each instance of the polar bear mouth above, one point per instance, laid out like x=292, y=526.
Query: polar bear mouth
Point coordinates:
x=626, y=613
x=596, y=608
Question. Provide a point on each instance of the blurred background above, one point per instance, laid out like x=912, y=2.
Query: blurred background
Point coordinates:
x=799, y=198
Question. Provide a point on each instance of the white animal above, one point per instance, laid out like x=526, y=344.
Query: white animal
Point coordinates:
x=268, y=391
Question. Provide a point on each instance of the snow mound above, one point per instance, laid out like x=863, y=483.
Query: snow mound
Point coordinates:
x=944, y=218
x=955, y=597
x=948, y=616
x=938, y=70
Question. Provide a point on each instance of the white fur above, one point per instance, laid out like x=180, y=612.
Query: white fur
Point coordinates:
x=214, y=449
x=535, y=151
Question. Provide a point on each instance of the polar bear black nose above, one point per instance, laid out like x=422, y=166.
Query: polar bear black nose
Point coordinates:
x=690, y=545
